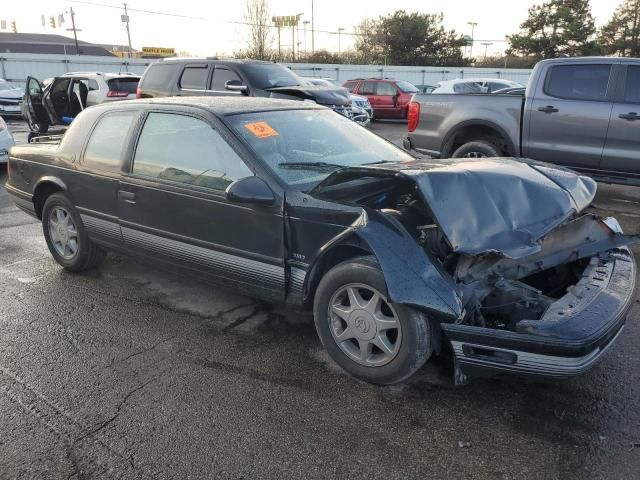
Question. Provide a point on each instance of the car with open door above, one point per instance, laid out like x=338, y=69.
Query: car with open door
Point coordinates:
x=57, y=101
x=498, y=261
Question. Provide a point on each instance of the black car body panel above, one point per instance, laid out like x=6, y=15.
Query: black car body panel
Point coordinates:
x=405, y=214
x=320, y=95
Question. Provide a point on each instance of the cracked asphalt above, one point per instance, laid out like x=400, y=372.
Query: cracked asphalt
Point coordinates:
x=130, y=371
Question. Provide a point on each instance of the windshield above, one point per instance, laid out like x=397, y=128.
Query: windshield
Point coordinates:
x=4, y=85
x=406, y=87
x=303, y=147
x=268, y=75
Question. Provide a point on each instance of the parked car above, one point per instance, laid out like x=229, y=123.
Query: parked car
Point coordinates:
x=474, y=85
x=6, y=141
x=10, y=98
x=398, y=258
x=389, y=98
x=57, y=101
x=583, y=113
x=357, y=101
x=230, y=77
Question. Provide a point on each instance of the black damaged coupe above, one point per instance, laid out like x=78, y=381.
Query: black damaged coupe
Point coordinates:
x=498, y=260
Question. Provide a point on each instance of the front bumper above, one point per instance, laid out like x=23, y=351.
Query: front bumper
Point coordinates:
x=568, y=340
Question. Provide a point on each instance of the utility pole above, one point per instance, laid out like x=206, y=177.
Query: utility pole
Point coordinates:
x=305, y=23
x=74, y=29
x=313, y=32
x=340, y=30
x=293, y=43
x=125, y=19
x=473, y=27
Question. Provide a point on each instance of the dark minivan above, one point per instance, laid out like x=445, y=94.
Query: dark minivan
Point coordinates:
x=178, y=77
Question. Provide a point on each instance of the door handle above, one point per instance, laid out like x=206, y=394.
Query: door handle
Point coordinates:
x=128, y=197
x=629, y=116
x=548, y=109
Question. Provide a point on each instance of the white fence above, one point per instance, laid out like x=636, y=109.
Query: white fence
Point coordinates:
x=415, y=75
x=16, y=67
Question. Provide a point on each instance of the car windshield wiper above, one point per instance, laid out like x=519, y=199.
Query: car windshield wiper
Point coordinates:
x=309, y=166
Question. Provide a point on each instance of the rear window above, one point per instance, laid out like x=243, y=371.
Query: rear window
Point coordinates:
x=125, y=84
x=406, y=87
x=349, y=85
x=578, y=82
x=159, y=75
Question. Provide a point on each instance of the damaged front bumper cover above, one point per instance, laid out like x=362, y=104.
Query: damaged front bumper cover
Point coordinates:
x=568, y=340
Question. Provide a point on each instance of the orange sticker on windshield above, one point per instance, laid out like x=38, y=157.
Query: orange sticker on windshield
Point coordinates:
x=261, y=129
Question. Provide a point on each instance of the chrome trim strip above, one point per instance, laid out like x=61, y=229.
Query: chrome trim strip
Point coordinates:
x=534, y=363
x=224, y=264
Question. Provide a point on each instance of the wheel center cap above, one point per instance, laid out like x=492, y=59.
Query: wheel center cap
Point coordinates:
x=363, y=324
x=62, y=232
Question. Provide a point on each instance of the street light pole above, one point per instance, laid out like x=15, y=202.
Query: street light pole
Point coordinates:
x=75, y=30
x=313, y=32
x=340, y=30
x=486, y=45
x=473, y=27
x=305, y=23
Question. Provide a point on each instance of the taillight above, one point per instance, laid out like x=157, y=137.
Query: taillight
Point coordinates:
x=138, y=93
x=413, y=116
x=114, y=93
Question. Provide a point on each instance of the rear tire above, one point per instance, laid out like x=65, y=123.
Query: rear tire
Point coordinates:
x=477, y=149
x=67, y=237
x=370, y=337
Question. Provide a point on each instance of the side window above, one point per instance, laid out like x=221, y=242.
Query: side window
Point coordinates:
x=632, y=91
x=578, y=82
x=367, y=88
x=194, y=77
x=187, y=150
x=221, y=75
x=104, y=149
x=385, y=88
x=93, y=85
x=349, y=86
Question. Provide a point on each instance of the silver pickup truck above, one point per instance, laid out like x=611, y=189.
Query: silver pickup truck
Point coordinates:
x=583, y=113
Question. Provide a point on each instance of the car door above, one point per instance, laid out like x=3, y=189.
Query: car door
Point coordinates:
x=194, y=79
x=387, y=100
x=33, y=109
x=221, y=76
x=622, y=147
x=569, y=116
x=173, y=205
x=368, y=89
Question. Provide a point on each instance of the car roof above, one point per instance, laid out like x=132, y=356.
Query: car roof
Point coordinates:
x=236, y=61
x=220, y=105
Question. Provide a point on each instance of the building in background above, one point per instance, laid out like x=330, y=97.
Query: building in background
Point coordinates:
x=43, y=43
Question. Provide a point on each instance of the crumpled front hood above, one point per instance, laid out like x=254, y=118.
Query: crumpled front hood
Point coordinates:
x=13, y=94
x=501, y=205
x=321, y=95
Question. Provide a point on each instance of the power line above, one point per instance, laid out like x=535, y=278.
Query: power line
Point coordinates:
x=119, y=7
x=273, y=26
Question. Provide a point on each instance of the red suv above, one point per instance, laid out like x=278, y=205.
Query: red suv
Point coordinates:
x=389, y=98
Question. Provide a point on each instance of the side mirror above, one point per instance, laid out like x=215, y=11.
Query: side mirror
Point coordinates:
x=250, y=190
x=235, y=86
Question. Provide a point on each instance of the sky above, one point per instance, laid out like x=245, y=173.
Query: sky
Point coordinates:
x=211, y=30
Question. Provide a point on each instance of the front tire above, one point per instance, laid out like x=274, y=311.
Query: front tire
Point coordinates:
x=67, y=237
x=367, y=335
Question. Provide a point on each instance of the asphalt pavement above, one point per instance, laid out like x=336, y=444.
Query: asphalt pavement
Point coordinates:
x=130, y=371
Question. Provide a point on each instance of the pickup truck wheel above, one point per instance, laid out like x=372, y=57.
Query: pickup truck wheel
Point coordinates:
x=66, y=236
x=367, y=335
x=477, y=149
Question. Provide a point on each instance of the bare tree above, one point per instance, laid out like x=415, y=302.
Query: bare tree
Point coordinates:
x=257, y=15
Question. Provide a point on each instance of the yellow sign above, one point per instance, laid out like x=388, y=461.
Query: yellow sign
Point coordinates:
x=159, y=51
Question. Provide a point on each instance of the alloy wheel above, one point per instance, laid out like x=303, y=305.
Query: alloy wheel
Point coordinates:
x=63, y=233
x=364, y=325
